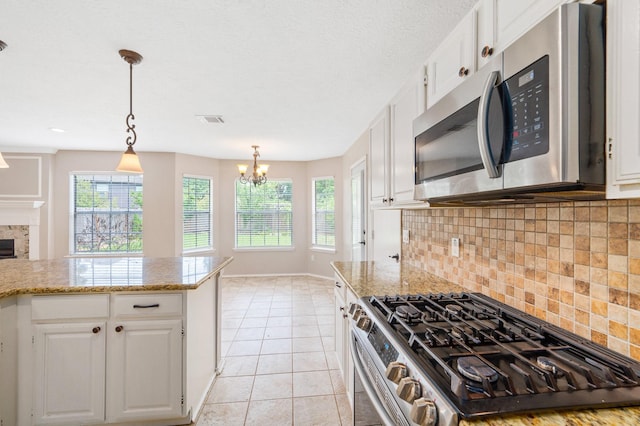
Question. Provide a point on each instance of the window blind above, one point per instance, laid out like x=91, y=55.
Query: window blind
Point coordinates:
x=324, y=217
x=197, y=217
x=107, y=213
x=264, y=214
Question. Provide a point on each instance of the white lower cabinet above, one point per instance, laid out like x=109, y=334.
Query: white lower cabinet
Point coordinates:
x=69, y=372
x=145, y=370
x=98, y=360
x=344, y=297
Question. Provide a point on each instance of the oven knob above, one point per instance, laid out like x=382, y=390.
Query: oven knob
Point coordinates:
x=364, y=322
x=396, y=371
x=408, y=389
x=424, y=412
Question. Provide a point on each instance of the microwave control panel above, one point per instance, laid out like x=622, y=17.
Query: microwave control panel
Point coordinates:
x=529, y=91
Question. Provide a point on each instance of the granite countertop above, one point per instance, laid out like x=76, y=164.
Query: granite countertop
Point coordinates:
x=389, y=278
x=106, y=274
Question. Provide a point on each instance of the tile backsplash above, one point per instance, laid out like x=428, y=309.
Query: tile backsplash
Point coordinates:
x=575, y=264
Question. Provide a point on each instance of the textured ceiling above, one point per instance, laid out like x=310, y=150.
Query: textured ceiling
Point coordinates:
x=300, y=78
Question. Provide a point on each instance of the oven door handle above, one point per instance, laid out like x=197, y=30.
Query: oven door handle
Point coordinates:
x=483, y=129
x=368, y=386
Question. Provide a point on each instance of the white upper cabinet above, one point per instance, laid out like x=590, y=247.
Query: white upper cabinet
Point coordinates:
x=453, y=60
x=379, y=159
x=623, y=99
x=484, y=32
x=391, y=146
x=404, y=108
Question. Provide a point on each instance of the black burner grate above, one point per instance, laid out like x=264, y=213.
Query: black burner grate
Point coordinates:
x=540, y=364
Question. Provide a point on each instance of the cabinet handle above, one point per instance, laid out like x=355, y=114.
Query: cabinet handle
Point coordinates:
x=345, y=315
x=338, y=285
x=463, y=71
x=119, y=329
x=96, y=330
x=391, y=200
x=155, y=305
x=486, y=51
x=384, y=200
x=342, y=308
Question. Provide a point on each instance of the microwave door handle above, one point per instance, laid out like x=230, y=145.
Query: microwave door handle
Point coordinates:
x=483, y=133
x=368, y=386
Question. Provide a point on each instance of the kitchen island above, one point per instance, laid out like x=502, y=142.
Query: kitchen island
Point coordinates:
x=387, y=278
x=113, y=340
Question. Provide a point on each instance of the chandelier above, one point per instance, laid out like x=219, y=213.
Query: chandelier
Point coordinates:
x=259, y=175
x=130, y=161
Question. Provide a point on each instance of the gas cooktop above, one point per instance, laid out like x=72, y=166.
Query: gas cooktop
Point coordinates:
x=487, y=357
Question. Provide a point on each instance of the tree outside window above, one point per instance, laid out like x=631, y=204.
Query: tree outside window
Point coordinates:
x=264, y=214
x=107, y=214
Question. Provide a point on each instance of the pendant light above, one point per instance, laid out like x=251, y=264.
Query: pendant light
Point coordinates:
x=3, y=163
x=130, y=162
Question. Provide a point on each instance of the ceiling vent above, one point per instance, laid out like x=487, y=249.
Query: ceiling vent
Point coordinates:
x=213, y=119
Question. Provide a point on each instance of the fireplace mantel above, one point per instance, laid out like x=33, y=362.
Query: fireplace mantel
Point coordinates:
x=24, y=213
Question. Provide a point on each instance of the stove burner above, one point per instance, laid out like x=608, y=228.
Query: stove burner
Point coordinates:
x=548, y=364
x=453, y=309
x=461, y=333
x=408, y=312
x=474, y=369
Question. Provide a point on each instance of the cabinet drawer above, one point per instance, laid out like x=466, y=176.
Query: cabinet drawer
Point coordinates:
x=146, y=305
x=69, y=306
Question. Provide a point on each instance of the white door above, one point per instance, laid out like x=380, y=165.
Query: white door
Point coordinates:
x=386, y=235
x=145, y=369
x=69, y=373
x=358, y=213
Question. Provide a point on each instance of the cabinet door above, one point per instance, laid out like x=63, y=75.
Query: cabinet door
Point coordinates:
x=379, y=159
x=145, y=369
x=69, y=373
x=340, y=311
x=514, y=18
x=623, y=104
x=453, y=60
x=405, y=107
x=349, y=369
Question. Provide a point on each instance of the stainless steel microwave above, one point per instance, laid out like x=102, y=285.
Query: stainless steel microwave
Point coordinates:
x=529, y=125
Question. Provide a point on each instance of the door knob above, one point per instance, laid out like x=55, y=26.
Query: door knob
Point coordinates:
x=396, y=257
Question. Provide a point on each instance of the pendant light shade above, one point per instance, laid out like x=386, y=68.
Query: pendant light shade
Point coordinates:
x=130, y=162
x=3, y=164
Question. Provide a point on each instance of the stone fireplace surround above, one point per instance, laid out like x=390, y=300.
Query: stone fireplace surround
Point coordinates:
x=20, y=220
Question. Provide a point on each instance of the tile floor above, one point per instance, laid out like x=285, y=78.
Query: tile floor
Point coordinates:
x=280, y=364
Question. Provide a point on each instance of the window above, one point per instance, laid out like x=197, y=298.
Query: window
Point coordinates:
x=107, y=213
x=324, y=217
x=196, y=214
x=264, y=214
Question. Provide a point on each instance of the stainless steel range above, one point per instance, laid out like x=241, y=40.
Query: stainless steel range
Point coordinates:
x=435, y=359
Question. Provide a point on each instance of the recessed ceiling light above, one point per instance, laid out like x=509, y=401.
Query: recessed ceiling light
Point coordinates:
x=55, y=129
x=213, y=119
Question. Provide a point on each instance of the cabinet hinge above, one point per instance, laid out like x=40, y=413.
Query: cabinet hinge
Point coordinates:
x=33, y=339
x=1, y=350
x=182, y=331
x=182, y=400
x=610, y=148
